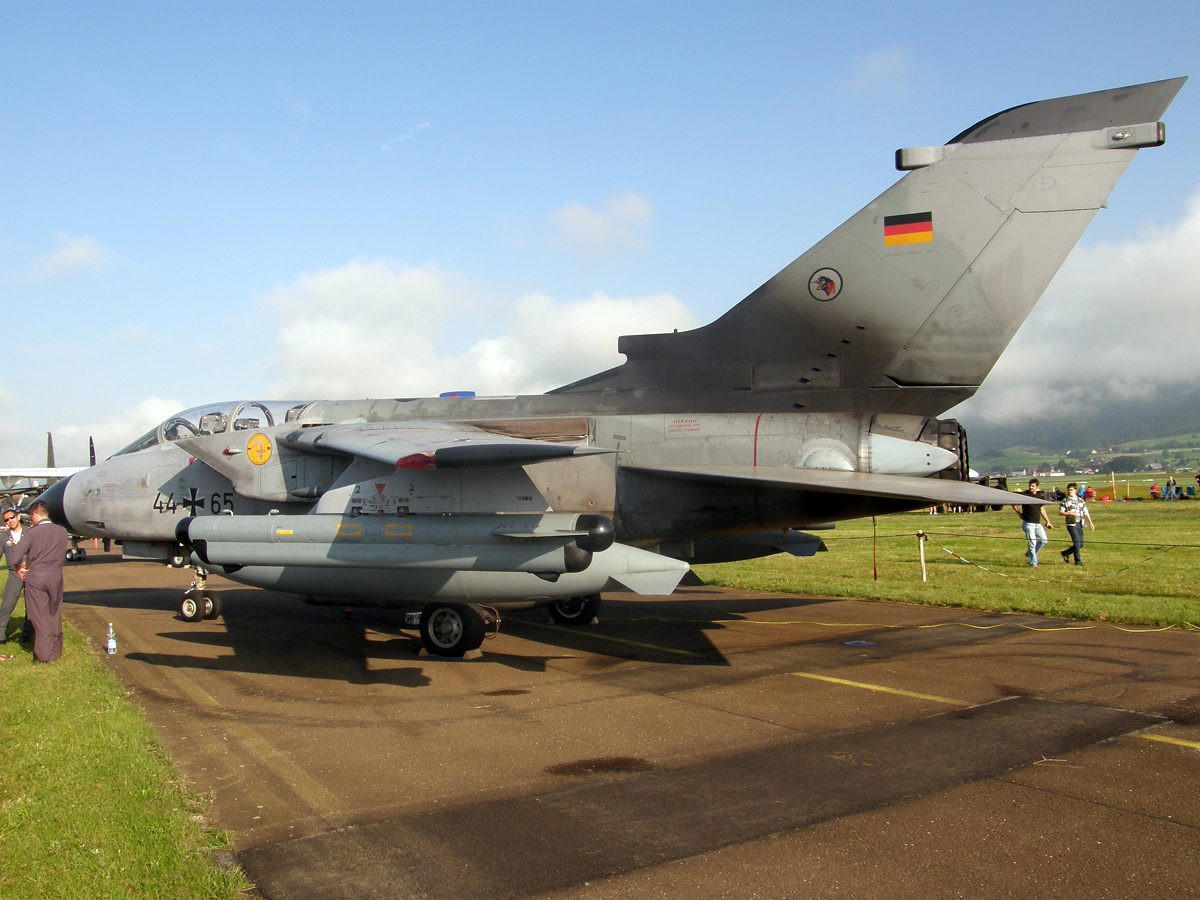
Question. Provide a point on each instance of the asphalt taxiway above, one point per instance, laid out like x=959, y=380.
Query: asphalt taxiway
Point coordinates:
x=710, y=744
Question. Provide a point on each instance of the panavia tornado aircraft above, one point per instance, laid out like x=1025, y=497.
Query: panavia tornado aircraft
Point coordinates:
x=814, y=399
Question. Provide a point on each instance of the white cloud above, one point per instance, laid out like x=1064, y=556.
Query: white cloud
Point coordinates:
x=378, y=329
x=1115, y=324
x=407, y=136
x=113, y=432
x=366, y=323
x=622, y=224
x=884, y=71
x=302, y=108
x=548, y=344
x=72, y=256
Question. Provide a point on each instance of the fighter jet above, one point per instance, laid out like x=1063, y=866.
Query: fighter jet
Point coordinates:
x=814, y=399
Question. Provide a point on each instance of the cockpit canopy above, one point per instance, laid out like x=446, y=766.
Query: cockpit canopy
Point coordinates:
x=218, y=418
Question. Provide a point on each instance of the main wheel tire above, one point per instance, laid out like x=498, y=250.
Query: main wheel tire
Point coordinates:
x=451, y=629
x=80, y=555
x=70, y=555
x=192, y=608
x=575, y=610
x=212, y=605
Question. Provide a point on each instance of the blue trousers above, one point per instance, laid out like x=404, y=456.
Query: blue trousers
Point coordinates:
x=1076, y=532
x=1036, y=535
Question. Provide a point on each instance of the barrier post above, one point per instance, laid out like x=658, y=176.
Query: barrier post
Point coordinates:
x=874, y=557
x=921, y=544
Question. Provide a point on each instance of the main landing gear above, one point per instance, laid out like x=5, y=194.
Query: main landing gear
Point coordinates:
x=455, y=629
x=198, y=601
x=576, y=610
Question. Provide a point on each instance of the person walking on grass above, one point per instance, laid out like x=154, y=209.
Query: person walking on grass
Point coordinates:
x=1075, y=511
x=1032, y=518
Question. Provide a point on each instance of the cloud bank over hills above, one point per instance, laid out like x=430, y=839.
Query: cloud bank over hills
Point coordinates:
x=1110, y=347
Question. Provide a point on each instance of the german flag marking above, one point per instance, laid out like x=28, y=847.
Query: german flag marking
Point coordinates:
x=913, y=228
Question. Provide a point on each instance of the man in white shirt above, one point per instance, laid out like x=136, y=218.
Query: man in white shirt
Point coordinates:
x=1075, y=511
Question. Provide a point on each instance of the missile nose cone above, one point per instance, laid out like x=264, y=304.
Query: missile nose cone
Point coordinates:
x=600, y=533
x=53, y=498
x=181, y=531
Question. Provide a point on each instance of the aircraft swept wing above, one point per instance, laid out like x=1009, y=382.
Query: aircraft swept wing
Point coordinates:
x=814, y=399
x=904, y=488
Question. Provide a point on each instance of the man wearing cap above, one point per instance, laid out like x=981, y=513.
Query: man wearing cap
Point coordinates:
x=42, y=570
x=13, y=551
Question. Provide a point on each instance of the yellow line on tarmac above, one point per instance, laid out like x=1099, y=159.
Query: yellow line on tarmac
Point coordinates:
x=1163, y=739
x=605, y=637
x=880, y=688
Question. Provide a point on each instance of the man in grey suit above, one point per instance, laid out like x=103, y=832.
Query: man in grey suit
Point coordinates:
x=13, y=551
x=41, y=568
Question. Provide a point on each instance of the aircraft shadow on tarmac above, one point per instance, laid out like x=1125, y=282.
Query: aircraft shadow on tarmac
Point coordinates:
x=271, y=633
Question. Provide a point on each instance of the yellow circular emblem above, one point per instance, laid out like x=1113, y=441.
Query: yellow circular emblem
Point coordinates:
x=258, y=449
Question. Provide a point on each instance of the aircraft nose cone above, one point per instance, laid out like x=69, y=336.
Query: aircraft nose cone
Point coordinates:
x=53, y=498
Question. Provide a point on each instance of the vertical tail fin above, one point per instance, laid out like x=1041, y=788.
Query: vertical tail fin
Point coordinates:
x=924, y=287
x=50, y=451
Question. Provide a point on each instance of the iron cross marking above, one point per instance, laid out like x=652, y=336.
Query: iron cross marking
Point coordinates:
x=193, y=500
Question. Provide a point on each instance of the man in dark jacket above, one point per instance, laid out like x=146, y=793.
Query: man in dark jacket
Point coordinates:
x=42, y=571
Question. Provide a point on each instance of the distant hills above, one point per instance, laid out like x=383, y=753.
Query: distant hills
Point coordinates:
x=1147, y=425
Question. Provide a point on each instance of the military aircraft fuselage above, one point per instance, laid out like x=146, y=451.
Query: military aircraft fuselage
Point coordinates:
x=138, y=498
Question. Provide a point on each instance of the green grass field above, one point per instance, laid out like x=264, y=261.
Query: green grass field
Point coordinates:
x=90, y=806
x=1119, y=581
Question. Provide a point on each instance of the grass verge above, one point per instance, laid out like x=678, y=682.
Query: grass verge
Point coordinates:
x=90, y=805
x=1161, y=591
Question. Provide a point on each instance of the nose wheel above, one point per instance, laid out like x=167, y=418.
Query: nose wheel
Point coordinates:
x=200, y=605
x=198, y=601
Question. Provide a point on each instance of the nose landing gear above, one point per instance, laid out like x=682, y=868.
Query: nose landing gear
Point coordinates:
x=198, y=601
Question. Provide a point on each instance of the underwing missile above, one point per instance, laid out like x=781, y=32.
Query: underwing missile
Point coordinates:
x=554, y=543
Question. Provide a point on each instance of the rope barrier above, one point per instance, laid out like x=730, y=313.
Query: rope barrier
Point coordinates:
x=1002, y=537
x=1049, y=580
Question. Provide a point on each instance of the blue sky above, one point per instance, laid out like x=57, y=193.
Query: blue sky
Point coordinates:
x=230, y=200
